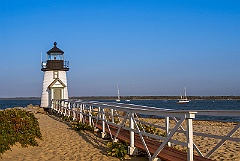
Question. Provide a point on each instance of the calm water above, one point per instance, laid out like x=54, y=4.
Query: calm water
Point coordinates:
x=195, y=105
x=168, y=104
x=17, y=103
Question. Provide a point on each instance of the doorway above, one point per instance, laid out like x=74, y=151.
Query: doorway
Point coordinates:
x=57, y=93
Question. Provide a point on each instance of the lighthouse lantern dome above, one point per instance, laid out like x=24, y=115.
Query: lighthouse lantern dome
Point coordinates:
x=55, y=53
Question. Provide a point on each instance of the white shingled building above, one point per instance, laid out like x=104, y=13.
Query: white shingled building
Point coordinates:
x=55, y=77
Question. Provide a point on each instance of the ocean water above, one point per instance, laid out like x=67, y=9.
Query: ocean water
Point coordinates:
x=17, y=103
x=195, y=105
x=168, y=104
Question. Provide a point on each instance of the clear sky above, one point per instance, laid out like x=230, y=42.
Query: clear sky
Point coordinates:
x=148, y=47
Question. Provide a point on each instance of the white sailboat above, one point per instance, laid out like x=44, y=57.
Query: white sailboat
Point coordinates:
x=183, y=99
x=118, y=98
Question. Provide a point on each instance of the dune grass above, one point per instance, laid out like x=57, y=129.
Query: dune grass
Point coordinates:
x=17, y=125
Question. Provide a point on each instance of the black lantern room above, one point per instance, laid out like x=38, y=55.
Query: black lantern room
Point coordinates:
x=55, y=60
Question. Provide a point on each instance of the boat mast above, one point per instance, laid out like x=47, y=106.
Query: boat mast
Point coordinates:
x=185, y=93
x=181, y=96
x=118, y=92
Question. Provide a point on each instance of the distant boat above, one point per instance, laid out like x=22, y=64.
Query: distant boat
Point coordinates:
x=118, y=98
x=127, y=100
x=183, y=99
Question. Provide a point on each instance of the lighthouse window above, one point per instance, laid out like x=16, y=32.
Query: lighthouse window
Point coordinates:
x=55, y=74
x=55, y=57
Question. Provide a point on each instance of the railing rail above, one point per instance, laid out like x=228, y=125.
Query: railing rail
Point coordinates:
x=64, y=65
x=107, y=112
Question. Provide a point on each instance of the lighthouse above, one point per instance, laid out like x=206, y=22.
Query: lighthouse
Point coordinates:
x=55, y=77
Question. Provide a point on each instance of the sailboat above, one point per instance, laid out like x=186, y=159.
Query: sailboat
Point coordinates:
x=118, y=98
x=183, y=99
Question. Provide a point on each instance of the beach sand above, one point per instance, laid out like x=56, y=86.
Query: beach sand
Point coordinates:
x=229, y=151
x=61, y=142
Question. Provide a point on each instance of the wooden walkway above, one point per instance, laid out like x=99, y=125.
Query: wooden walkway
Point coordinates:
x=94, y=110
x=167, y=154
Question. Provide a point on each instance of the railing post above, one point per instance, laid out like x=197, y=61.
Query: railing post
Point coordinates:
x=59, y=106
x=53, y=104
x=131, y=149
x=65, y=108
x=167, y=128
x=189, y=119
x=103, y=124
x=51, y=107
x=69, y=109
x=90, y=116
x=77, y=110
x=99, y=113
x=74, y=111
x=81, y=113
x=131, y=132
x=62, y=107
x=112, y=116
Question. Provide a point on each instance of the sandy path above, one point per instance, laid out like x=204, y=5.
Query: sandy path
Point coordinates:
x=60, y=142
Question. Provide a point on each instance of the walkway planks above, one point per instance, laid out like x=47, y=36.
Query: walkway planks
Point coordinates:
x=167, y=154
x=84, y=110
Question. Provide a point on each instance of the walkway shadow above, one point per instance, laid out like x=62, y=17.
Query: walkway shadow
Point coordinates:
x=96, y=141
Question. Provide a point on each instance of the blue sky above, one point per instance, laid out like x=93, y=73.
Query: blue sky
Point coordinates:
x=147, y=47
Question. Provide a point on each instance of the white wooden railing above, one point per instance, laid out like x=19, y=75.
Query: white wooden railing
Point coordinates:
x=128, y=114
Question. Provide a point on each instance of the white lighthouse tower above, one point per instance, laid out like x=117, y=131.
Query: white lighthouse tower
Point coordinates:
x=55, y=78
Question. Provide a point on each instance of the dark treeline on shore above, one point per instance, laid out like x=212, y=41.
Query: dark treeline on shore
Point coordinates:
x=135, y=98
x=21, y=98
x=157, y=97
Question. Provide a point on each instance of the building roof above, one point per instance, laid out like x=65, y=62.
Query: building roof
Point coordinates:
x=57, y=82
x=55, y=50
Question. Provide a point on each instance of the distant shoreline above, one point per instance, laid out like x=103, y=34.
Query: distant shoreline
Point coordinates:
x=21, y=98
x=136, y=98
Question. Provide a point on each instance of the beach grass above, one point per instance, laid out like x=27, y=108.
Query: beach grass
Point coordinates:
x=18, y=126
